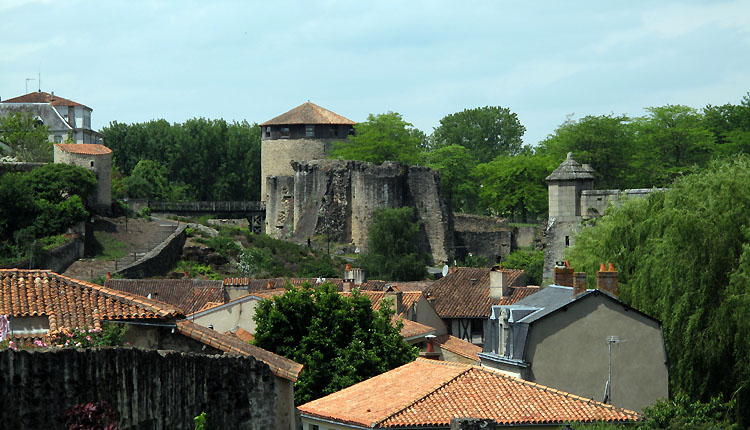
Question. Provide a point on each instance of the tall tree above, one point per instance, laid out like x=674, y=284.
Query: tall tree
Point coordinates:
x=683, y=257
x=26, y=137
x=393, y=247
x=486, y=132
x=605, y=142
x=383, y=137
x=514, y=186
x=453, y=162
x=339, y=339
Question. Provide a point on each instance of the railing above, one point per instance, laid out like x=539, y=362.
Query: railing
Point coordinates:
x=238, y=206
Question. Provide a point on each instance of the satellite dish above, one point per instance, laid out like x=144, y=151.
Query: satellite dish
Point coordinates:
x=445, y=270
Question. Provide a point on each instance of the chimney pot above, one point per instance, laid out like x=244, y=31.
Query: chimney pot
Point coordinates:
x=109, y=275
x=611, y=267
x=602, y=267
x=186, y=274
x=269, y=285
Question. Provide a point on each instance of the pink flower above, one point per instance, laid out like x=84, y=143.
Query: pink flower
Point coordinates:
x=88, y=338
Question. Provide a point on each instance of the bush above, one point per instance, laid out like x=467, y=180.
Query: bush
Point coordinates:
x=532, y=263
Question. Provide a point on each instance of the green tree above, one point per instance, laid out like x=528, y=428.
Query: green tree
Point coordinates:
x=393, y=247
x=339, y=339
x=486, y=132
x=18, y=207
x=683, y=257
x=148, y=181
x=730, y=125
x=605, y=142
x=513, y=186
x=532, y=263
x=383, y=137
x=453, y=162
x=57, y=182
x=670, y=140
x=26, y=138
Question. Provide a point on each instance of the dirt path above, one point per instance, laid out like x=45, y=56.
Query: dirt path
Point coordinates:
x=139, y=237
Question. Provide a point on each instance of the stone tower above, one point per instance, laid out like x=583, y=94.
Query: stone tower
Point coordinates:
x=98, y=159
x=565, y=186
x=304, y=133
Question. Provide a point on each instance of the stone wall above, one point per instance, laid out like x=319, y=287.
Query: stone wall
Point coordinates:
x=149, y=389
x=277, y=153
x=338, y=197
x=160, y=259
x=18, y=167
x=56, y=259
x=101, y=165
x=492, y=245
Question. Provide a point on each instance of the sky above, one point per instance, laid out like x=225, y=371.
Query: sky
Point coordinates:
x=134, y=61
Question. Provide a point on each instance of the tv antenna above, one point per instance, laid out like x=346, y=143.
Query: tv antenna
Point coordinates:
x=27, y=83
x=611, y=340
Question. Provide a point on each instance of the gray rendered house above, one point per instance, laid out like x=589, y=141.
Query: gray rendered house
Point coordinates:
x=564, y=337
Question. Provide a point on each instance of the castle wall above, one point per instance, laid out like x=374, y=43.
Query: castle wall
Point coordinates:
x=338, y=197
x=277, y=154
x=280, y=207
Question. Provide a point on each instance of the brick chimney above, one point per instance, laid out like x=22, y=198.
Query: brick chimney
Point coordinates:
x=579, y=283
x=606, y=279
x=429, y=351
x=499, y=287
x=563, y=275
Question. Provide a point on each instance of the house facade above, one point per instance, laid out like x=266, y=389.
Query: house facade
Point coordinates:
x=582, y=341
x=64, y=118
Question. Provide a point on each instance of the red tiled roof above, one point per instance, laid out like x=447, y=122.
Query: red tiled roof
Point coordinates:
x=465, y=293
x=431, y=393
x=458, y=346
x=43, y=97
x=408, y=299
x=83, y=148
x=190, y=295
x=309, y=113
x=70, y=303
x=280, y=366
x=413, y=329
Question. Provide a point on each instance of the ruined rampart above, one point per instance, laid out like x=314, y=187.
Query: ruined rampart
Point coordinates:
x=339, y=197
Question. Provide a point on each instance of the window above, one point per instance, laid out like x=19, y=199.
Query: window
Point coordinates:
x=92, y=163
x=309, y=131
x=332, y=131
x=268, y=131
x=284, y=131
x=58, y=138
x=567, y=240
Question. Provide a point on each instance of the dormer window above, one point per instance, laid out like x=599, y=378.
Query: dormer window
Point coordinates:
x=284, y=131
x=309, y=131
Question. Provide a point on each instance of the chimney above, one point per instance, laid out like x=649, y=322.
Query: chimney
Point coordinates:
x=499, y=287
x=579, y=283
x=53, y=97
x=269, y=285
x=358, y=276
x=563, y=275
x=429, y=351
x=109, y=275
x=606, y=279
x=398, y=300
x=186, y=274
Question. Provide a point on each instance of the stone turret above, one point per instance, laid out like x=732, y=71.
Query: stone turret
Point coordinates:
x=565, y=185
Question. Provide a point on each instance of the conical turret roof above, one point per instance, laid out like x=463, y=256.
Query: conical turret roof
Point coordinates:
x=309, y=113
x=570, y=169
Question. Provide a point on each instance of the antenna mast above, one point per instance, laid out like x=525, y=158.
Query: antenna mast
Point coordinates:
x=27, y=83
x=612, y=340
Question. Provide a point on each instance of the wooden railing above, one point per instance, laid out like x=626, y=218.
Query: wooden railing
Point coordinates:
x=239, y=206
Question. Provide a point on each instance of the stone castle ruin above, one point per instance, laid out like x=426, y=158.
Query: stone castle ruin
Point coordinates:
x=573, y=200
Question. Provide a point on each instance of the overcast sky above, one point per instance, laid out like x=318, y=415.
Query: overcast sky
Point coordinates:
x=134, y=61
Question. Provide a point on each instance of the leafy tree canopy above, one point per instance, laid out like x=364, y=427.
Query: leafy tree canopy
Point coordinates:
x=485, y=131
x=453, y=162
x=383, y=137
x=393, y=247
x=683, y=257
x=339, y=339
x=514, y=186
x=26, y=138
x=532, y=263
x=202, y=159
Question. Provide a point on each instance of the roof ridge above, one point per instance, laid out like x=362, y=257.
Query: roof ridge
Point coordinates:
x=429, y=393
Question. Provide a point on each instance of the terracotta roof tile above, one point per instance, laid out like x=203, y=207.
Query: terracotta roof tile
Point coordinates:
x=280, y=366
x=189, y=295
x=413, y=329
x=458, y=346
x=254, y=285
x=465, y=293
x=430, y=393
x=43, y=97
x=83, y=148
x=309, y=113
x=72, y=303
